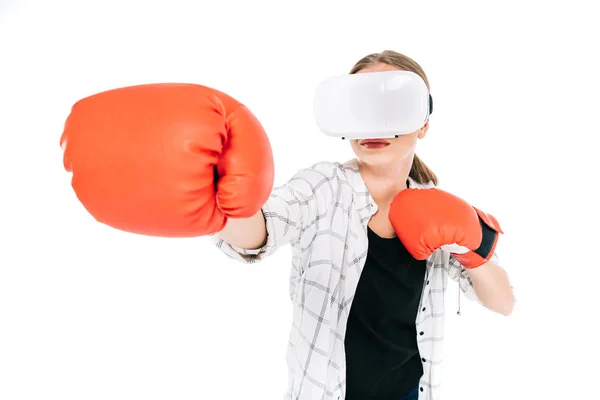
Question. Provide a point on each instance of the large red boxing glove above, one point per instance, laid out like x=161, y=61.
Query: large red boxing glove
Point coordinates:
x=427, y=219
x=171, y=160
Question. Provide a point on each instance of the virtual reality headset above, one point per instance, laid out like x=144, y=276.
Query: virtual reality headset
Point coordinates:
x=372, y=105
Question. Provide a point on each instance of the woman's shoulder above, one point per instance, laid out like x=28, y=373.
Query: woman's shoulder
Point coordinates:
x=332, y=171
x=325, y=168
x=323, y=177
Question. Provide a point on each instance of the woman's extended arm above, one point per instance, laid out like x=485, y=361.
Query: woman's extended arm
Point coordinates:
x=246, y=233
x=290, y=215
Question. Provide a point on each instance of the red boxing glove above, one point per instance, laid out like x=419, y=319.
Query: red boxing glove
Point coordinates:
x=172, y=160
x=427, y=219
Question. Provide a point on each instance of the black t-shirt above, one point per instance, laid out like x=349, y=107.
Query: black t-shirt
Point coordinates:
x=383, y=361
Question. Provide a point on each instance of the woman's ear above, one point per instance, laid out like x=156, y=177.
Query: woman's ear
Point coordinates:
x=423, y=131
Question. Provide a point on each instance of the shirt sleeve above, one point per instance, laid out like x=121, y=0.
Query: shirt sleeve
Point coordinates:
x=292, y=212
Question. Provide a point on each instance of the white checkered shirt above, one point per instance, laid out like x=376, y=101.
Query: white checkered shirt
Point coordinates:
x=322, y=212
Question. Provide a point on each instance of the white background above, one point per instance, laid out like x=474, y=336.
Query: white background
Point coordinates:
x=87, y=312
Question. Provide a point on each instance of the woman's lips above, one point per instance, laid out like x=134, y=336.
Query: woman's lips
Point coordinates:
x=374, y=143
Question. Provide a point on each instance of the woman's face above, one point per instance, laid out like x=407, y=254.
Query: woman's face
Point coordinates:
x=391, y=150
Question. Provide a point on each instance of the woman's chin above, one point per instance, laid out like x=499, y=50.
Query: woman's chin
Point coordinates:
x=376, y=158
x=383, y=157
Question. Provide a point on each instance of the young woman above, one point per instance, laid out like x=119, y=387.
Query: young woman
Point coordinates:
x=368, y=317
x=373, y=239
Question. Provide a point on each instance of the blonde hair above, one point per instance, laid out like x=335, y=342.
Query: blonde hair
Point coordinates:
x=419, y=171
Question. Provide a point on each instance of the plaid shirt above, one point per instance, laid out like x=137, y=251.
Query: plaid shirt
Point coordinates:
x=323, y=212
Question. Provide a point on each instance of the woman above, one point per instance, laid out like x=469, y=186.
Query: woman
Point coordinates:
x=368, y=317
x=373, y=240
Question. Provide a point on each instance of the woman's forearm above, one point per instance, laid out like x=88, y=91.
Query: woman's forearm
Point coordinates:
x=246, y=233
x=492, y=286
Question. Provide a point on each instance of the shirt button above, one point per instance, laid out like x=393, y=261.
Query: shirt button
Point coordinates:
x=421, y=333
x=423, y=308
x=421, y=388
x=422, y=359
x=428, y=281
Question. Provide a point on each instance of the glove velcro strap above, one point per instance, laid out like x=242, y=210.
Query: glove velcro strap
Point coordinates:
x=490, y=230
x=488, y=241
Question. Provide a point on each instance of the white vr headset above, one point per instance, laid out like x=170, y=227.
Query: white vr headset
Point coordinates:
x=372, y=105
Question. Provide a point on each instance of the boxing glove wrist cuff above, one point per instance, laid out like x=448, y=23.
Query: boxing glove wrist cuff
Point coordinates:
x=489, y=238
x=490, y=230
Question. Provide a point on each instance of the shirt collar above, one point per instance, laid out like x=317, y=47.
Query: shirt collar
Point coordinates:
x=363, y=197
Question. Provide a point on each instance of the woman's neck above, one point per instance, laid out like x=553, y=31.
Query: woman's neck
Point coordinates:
x=385, y=181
